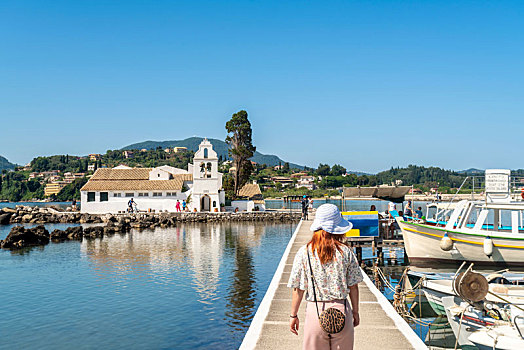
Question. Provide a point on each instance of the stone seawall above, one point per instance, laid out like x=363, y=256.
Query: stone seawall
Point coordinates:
x=36, y=215
x=20, y=237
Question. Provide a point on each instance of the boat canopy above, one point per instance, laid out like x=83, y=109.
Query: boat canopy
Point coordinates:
x=443, y=205
x=394, y=194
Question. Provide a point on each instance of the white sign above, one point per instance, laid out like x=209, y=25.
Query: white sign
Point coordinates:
x=497, y=183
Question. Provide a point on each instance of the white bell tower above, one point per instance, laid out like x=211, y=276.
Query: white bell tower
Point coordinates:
x=207, y=181
x=205, y=162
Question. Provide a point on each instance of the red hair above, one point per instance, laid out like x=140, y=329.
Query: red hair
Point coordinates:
x=325, y=244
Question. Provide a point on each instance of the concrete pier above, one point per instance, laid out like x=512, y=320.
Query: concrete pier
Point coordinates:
x=380, y=328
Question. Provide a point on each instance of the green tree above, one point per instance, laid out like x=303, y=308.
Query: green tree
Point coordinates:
x=71, y=191
x=337, y=170
x=241, y=148
x=323, y=169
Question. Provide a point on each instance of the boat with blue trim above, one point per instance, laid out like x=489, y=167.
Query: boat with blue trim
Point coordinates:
x=488, y=232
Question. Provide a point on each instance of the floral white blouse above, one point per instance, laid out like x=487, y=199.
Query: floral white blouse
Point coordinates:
x=332, y=280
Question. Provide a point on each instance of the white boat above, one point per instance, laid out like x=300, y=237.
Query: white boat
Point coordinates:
x=489, y=232
x=503, y=337
x=436, y=290
x=465, y=319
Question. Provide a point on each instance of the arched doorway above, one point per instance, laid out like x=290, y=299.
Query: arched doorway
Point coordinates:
x=205, y=203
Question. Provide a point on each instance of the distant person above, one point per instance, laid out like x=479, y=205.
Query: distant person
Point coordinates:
x=409, y=211
x=418, y=213
x=73, y=205
x=184, y=205
x=310, y=203
x=391, y=206
x=305, y=206
x=130, y=205
x=177, y=205
x=373, y=207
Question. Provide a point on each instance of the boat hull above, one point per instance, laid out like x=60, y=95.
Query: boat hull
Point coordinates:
x=422, y=243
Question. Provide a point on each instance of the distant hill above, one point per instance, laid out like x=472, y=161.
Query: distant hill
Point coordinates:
x=5, y=164
x=218, y=145
x=471, y=171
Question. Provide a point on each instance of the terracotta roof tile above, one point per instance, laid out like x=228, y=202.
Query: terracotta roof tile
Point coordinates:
x=136, y=179
x=121, y=174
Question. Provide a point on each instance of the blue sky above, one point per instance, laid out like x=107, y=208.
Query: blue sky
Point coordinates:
x=367, y=84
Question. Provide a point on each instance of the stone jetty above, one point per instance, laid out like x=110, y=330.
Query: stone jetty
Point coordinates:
x=110, y=224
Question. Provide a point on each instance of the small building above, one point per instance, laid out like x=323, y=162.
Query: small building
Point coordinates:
x=307, y=182
x=158, y=189
x=48, y=174
x=415, y=191
x=179, y=149
x=298, y=175
x=53, y=178
x=54, y=188
x=91, y=167
x=250, y=191
x=109, y=190
x=252, y=199
x=94, y=157
x=128, y=154
x=68, y=177
x=285, y=181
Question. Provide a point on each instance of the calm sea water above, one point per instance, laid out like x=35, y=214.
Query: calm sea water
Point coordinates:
x=348, y=204
x=36, y=204
x=193, y=286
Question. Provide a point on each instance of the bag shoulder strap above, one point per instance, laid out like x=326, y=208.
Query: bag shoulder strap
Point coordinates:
x=312, y=280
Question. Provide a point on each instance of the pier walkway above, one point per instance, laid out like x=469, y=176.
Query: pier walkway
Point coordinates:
x=380, y=328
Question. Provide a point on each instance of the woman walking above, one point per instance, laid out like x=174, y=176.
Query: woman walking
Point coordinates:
x=328, y=272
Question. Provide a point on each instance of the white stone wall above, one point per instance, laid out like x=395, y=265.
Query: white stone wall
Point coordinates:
x=243, y=205
x=116, y=204
x=197, y=198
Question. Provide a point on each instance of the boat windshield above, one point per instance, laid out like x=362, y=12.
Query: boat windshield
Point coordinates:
x=479, y=216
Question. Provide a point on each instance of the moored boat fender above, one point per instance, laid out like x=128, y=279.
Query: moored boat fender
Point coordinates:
x=446, y=244
x=488, y=246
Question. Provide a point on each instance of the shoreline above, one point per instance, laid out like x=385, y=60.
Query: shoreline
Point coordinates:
x=21, y=237
x=417, y=197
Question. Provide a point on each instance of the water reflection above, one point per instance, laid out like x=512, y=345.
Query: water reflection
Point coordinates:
x=225, y=268
x=241, y=296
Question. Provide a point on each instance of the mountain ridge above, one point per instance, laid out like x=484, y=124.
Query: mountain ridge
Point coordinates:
x=5, y=164
x=218, y=145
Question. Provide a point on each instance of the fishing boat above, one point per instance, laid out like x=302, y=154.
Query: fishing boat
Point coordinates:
x=436, y=290
x=489, y=232
x=464, y=319
x=499, y=337
x=437, y=213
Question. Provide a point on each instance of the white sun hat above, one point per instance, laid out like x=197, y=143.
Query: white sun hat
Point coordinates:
x=329, y=219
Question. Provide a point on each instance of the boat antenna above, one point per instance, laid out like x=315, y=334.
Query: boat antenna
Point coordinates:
x=456, y=193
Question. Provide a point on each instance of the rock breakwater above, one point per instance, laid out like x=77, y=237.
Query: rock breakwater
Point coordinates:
x=110, y=224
